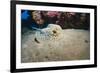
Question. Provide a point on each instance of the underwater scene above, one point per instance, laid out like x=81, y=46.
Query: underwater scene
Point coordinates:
x=54, y=36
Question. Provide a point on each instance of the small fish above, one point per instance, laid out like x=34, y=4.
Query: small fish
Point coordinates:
x=36, y=40
x=38, y=30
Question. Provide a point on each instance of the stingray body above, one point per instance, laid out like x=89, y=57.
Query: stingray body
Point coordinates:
x=52, y=32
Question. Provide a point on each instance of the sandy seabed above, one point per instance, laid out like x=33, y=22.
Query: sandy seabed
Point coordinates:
x=75, y=45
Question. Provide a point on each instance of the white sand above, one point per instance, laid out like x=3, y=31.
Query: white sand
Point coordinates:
x=75, y=45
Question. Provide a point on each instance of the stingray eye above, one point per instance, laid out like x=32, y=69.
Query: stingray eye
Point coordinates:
x=54, y=31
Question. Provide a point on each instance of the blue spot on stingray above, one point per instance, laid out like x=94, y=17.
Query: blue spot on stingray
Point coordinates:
x=24, y=15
